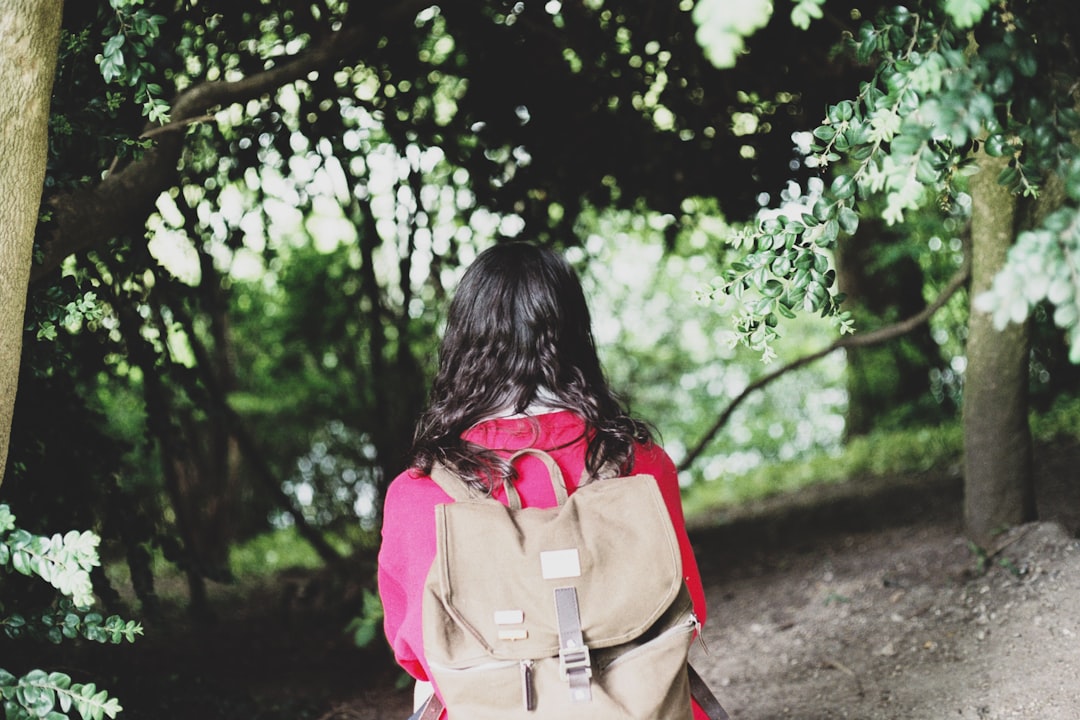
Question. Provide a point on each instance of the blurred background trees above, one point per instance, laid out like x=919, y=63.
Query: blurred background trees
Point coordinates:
x=253, y=216
x=959, y=90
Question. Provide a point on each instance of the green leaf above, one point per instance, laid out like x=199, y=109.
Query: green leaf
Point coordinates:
x=20, y=560
x=772, y=288
x=843, y=187
x=1069, y=118
x=996, y=145
x=1008, y=176
x=841, y=112
x=7, y=520
x=1002, y=81
x=823, y=210
x=966, y=13
x=867, y=45
x=925, y=171
x=1027, y=63
x=899, y=15
x=781, y=266
x=46, y=331
x=861, y=152
x=849, y=220
x=829, y=234
x=905, y=144
x=112, y=46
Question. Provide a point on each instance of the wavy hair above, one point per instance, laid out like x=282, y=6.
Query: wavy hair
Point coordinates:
x=518, y=326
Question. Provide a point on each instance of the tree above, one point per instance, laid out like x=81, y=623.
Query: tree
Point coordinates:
x=474, y=98
x=32, y=36
x=959, y=89
x=997, y=443
x=427, y=131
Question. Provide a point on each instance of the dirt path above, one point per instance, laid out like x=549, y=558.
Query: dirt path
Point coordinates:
x=864, y=601
x=901, y=624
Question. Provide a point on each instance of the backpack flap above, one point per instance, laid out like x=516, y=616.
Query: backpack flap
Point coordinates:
x=491, y=591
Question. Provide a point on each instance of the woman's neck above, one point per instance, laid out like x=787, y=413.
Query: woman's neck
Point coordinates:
x=544, y=401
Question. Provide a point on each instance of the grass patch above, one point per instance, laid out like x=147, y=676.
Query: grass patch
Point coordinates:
x=1060, y=422
x=907, y=451
x=275, y=550
x=910, y=451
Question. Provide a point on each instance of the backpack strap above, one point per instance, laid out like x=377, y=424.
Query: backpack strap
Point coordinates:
x=704, y=696
x=558, y=482
x=430, y=710
x=575, y=665
x=452, y=484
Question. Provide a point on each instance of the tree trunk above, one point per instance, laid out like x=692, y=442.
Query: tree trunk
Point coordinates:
x=31, y=38
x=998, y=483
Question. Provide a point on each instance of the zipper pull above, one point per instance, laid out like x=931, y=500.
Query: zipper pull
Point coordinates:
x=700, y=635
x=526, y=685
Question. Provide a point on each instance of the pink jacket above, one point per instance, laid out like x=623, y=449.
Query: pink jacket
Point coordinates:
x=408, y=531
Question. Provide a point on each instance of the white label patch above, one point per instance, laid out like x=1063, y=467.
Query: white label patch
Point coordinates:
x=509, y=617
x=513, y=634
x=556, y=564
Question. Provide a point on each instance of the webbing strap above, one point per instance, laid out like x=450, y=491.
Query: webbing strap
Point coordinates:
x=558, y=482
x=700, y=691
x=575, y=665
x=430, y=710
x=452, y=484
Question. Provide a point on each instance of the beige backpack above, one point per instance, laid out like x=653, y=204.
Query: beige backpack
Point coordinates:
x=578, y=611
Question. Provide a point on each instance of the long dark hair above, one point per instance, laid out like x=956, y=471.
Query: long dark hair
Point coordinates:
x=519, y=323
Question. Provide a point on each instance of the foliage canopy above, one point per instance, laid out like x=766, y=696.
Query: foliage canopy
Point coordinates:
x=953, y=82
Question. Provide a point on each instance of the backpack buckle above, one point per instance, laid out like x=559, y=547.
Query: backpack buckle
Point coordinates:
x=573, y=660
x=575, y=665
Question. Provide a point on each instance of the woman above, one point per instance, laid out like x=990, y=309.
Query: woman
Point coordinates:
x=517, y=368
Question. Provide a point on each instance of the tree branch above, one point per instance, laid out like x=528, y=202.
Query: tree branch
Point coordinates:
x=175, y=125
x=876, y=337
x=123, y=200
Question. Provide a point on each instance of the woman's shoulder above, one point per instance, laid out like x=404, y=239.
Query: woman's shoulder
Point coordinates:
x=651, y=458
x=412, y=487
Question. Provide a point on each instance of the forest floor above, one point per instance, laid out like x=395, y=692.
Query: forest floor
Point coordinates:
x=859, y=600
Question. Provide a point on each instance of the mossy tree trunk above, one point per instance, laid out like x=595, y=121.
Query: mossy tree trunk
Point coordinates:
x=998, y=483
x=31, y=36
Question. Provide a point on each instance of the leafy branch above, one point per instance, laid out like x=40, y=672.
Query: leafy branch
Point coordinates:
x=869, y=339
x=50, y=696
x=64, y=561
x=911, y=135
x=67, y=621
x=134, y=29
